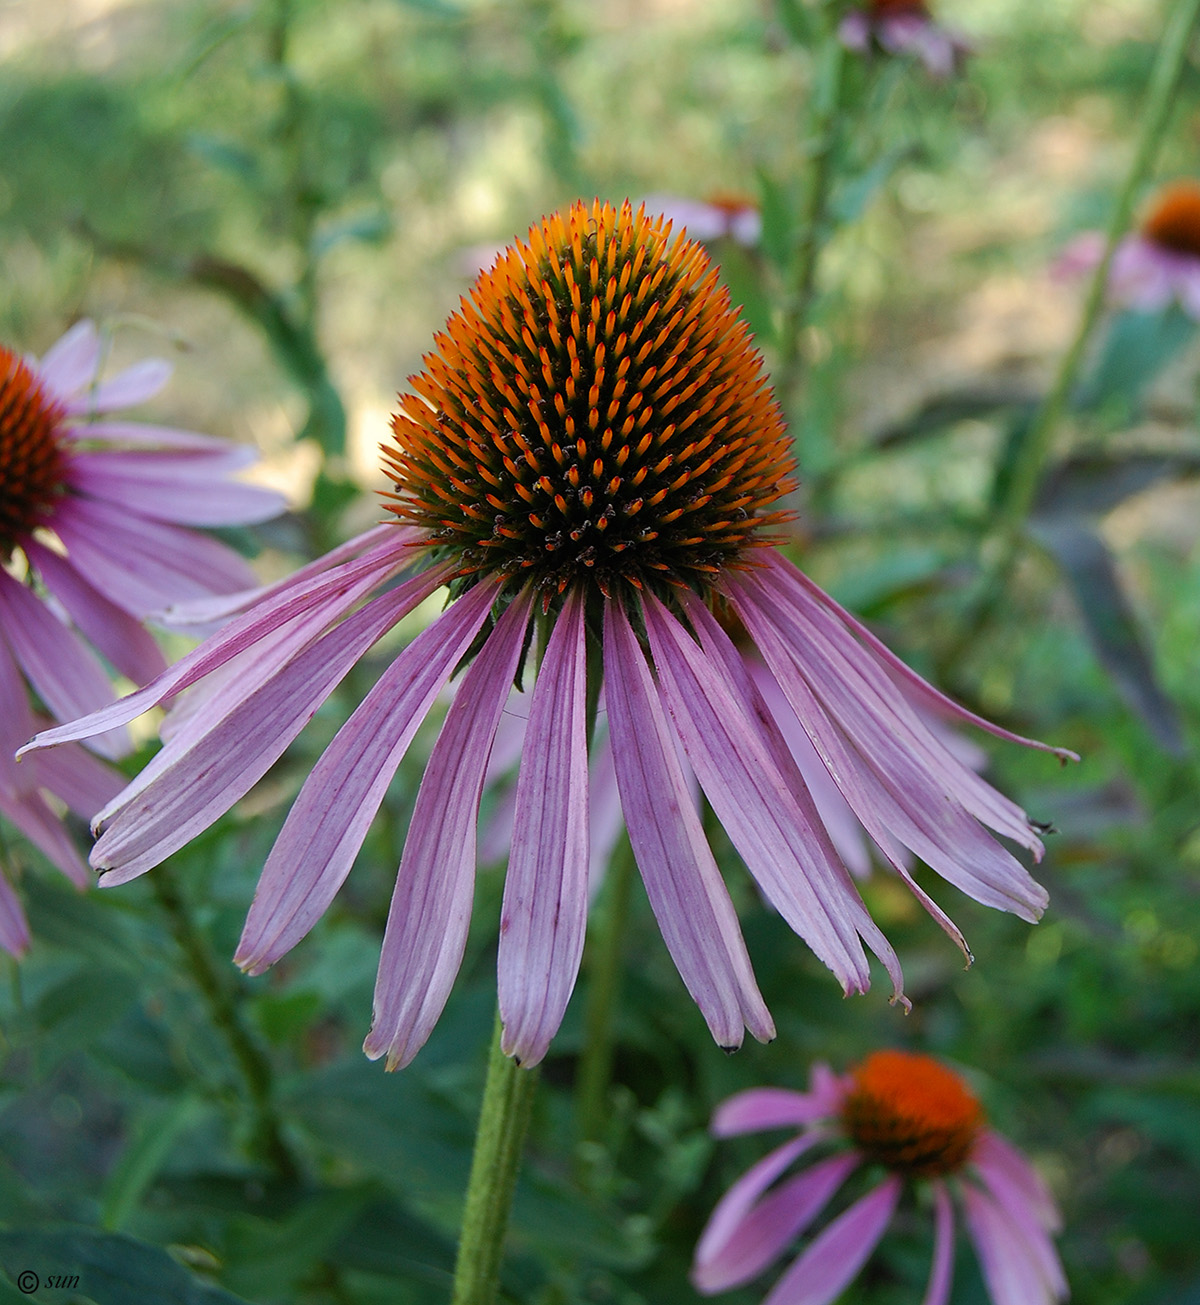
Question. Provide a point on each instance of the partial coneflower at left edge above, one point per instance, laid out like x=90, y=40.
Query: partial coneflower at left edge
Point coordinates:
x=592, y=446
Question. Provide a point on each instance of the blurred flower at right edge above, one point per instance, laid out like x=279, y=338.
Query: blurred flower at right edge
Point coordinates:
x=1154, y=266
x=900, y=27
x=910, y=1117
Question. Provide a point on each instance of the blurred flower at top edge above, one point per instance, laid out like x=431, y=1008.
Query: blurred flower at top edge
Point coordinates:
x=906, y=1120
x=902, y=27
x=720, y=215
x=590, y=462
x=91, y=510
x=1154, y=266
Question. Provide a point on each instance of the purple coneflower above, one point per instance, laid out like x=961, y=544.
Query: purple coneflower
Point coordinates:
x=589, y=463
x=911, y=1118
x=904, y=27
x=1157, y=265
x=90, y=543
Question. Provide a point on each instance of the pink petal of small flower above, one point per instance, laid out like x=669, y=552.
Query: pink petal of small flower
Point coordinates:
x=137, y=383
x=431, y=905
x=757, y=1109
x=764, y=1230
x=686, y=892
x=544, y=912
x=837, y=1255
x=1018, y=1269
x=71, y=362
x=941, y=1271
x=1012, y=1179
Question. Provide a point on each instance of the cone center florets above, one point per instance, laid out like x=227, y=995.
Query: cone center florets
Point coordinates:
x=911, y=1114
x=595, y=412
x=1174, y=221
x=31, y=458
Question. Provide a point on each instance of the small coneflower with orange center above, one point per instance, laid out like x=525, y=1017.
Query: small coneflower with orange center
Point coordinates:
x=917, y=1120
x=904, y=27
x=590, y=462
x=1158, y=264
x=92, y=540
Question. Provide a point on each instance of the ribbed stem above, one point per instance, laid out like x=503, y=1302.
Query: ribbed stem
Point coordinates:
x=503, y=1121
x=251, y=1060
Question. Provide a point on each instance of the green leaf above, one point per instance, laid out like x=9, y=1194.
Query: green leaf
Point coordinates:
x=1138, y=346
x=112, y=1269
x=778, y=219
x=1110, y=623
x=154, y=1136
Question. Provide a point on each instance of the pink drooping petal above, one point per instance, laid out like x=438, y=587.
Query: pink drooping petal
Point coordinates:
x=1012, y=1179
x=826, y=870
x=82, y=781
x=765, y=1228
x=379, y=542
x=889, y=788
x=126, y=643
x=329, y=819
x=605, y=822
x=14, y=928
x=431, y=905
x=16, y=720
x=919, y=689
x=686, y=892
x=941, y=1271
x=835, y=1258
x=148, y=823
x=141, y=565
x=752, y=800
x=166, y=488
x=137, y=383
x=34, y=818
x=310, y=606
x=1017, y=1270
x=544, y=912
x=757, y=1109
x=72, y=361
x=63, y=670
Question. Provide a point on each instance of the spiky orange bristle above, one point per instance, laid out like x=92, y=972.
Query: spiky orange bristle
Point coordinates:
x=595, y=411
x=31, y=459
x=911, y=1114
x=1174, y=219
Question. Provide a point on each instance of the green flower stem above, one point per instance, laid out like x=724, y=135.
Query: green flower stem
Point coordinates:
x=825, y=121
x=250, y=1058
x=1038, y=443
x=604, y=982
x=503, y=1120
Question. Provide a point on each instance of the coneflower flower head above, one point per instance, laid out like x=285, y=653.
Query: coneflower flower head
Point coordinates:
x=917, y=1121
x=91, y=507
x=1173, y=220
x=592, y=439
x=595, y=415
x=900, y=27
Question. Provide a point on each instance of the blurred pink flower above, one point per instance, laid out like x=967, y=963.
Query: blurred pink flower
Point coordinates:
x=904, y=27
x=720, y=215
x=914, y=1119
x=90, y=543
x=592, y=452
x=1156, y=265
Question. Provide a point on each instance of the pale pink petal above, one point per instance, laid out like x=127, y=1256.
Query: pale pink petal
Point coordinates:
x=835, y=1257
x=17, y=722
x=1018, y=1270
x=14, y=929
x=329, y=819
x=143, y=435
x=757, y=1109
x=753, y=802
x=137, y=383
x=763, y=1231
x=71, y=362
x=82, y=781
x=605, y=822
x=920, y=690
x=686, y=892
x=854, y=31
x=941, y=1271
x=150, y=821
x=308, y=607
x=141, y=565
x=126, y=643
x=431, y=905
x=63, y=670
x=34, y=818
x=1012, y=1179
x=165, y=489
x=544, y=912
